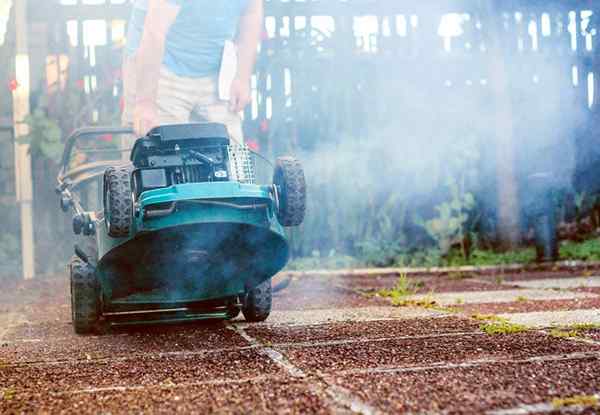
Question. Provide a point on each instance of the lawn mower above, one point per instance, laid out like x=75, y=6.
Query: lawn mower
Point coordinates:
x=177, y=231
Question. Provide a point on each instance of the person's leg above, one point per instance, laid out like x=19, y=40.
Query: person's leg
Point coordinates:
x=175, y=98
x=210, y=108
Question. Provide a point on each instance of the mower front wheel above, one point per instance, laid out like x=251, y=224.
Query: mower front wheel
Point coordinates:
x=257, y=305
x=85, y=297
x=118, y=201
x=288, y=179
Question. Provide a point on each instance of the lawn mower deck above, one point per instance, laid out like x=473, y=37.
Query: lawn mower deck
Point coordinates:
x=184, y=232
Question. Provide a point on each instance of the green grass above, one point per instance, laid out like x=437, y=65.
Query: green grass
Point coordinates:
x=583, y=251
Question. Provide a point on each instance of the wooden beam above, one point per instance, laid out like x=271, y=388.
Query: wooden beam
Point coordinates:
x=23, y=181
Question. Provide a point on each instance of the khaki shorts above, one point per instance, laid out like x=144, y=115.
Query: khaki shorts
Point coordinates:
x=183, y=100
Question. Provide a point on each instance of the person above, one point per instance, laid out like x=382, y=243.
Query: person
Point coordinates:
x=173, y=57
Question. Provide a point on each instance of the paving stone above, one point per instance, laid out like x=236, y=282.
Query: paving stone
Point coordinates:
x=562, y=283
x=555, y=318
x=505, y=296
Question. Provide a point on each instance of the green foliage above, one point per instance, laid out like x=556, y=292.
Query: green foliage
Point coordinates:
x=480, y=257
x=583, y=251
x=45, y=136
x=451, y=224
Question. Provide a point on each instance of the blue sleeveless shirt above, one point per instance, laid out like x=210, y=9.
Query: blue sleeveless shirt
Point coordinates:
x=195, y=41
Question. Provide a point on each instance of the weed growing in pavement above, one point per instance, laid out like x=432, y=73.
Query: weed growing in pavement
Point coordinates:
x=499, y=279
x=502, y=327
x=585, y=326
x=522, y=299
x=583, y=400
x=564, y=334
x=573, y=330
x=7, y=394
x=404, y=288
x=459, y=301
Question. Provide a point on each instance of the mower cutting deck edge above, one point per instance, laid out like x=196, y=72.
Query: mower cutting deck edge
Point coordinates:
x=184, y=233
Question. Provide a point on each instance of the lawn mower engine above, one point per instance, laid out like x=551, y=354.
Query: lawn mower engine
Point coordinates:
x=168, y=157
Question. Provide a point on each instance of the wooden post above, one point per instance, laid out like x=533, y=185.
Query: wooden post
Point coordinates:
x=506, y=179
x=24, y=188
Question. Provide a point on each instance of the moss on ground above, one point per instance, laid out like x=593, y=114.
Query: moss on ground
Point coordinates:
x=503, y=327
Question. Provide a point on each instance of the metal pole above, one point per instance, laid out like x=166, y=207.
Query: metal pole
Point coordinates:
x=24, y=187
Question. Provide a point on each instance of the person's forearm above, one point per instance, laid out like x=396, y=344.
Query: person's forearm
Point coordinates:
x=148, y=60
x=249, y=34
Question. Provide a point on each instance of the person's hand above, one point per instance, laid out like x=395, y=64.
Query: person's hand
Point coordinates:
x=144, y=117
x=239, y=95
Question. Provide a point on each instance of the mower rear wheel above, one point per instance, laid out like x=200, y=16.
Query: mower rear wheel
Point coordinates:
x=257, y=306
x=85, y=297
x=290, y=182
x=118, y=201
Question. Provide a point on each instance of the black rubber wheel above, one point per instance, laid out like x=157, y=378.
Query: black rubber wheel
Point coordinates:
x=118, y=201
x=289, y=180
x=85, y=297
x=257, y=306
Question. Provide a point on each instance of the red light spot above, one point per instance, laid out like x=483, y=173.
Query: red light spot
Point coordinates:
x=264, y=126
x=252, y=144
x=107, y=138
x=13, y=84
x=79, y=84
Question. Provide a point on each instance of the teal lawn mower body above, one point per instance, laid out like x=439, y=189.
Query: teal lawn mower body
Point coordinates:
x=184, y=232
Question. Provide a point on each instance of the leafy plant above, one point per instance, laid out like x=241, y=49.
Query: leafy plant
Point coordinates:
x=45, y=136
x=584, y=251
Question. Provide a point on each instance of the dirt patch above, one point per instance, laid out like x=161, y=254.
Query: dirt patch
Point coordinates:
x=146, y=340
x=138, y=371
x=249, y=397
x=373, y=329
x=431, y=350
x=38, y=291
x=475, y=390
x=592, y=334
